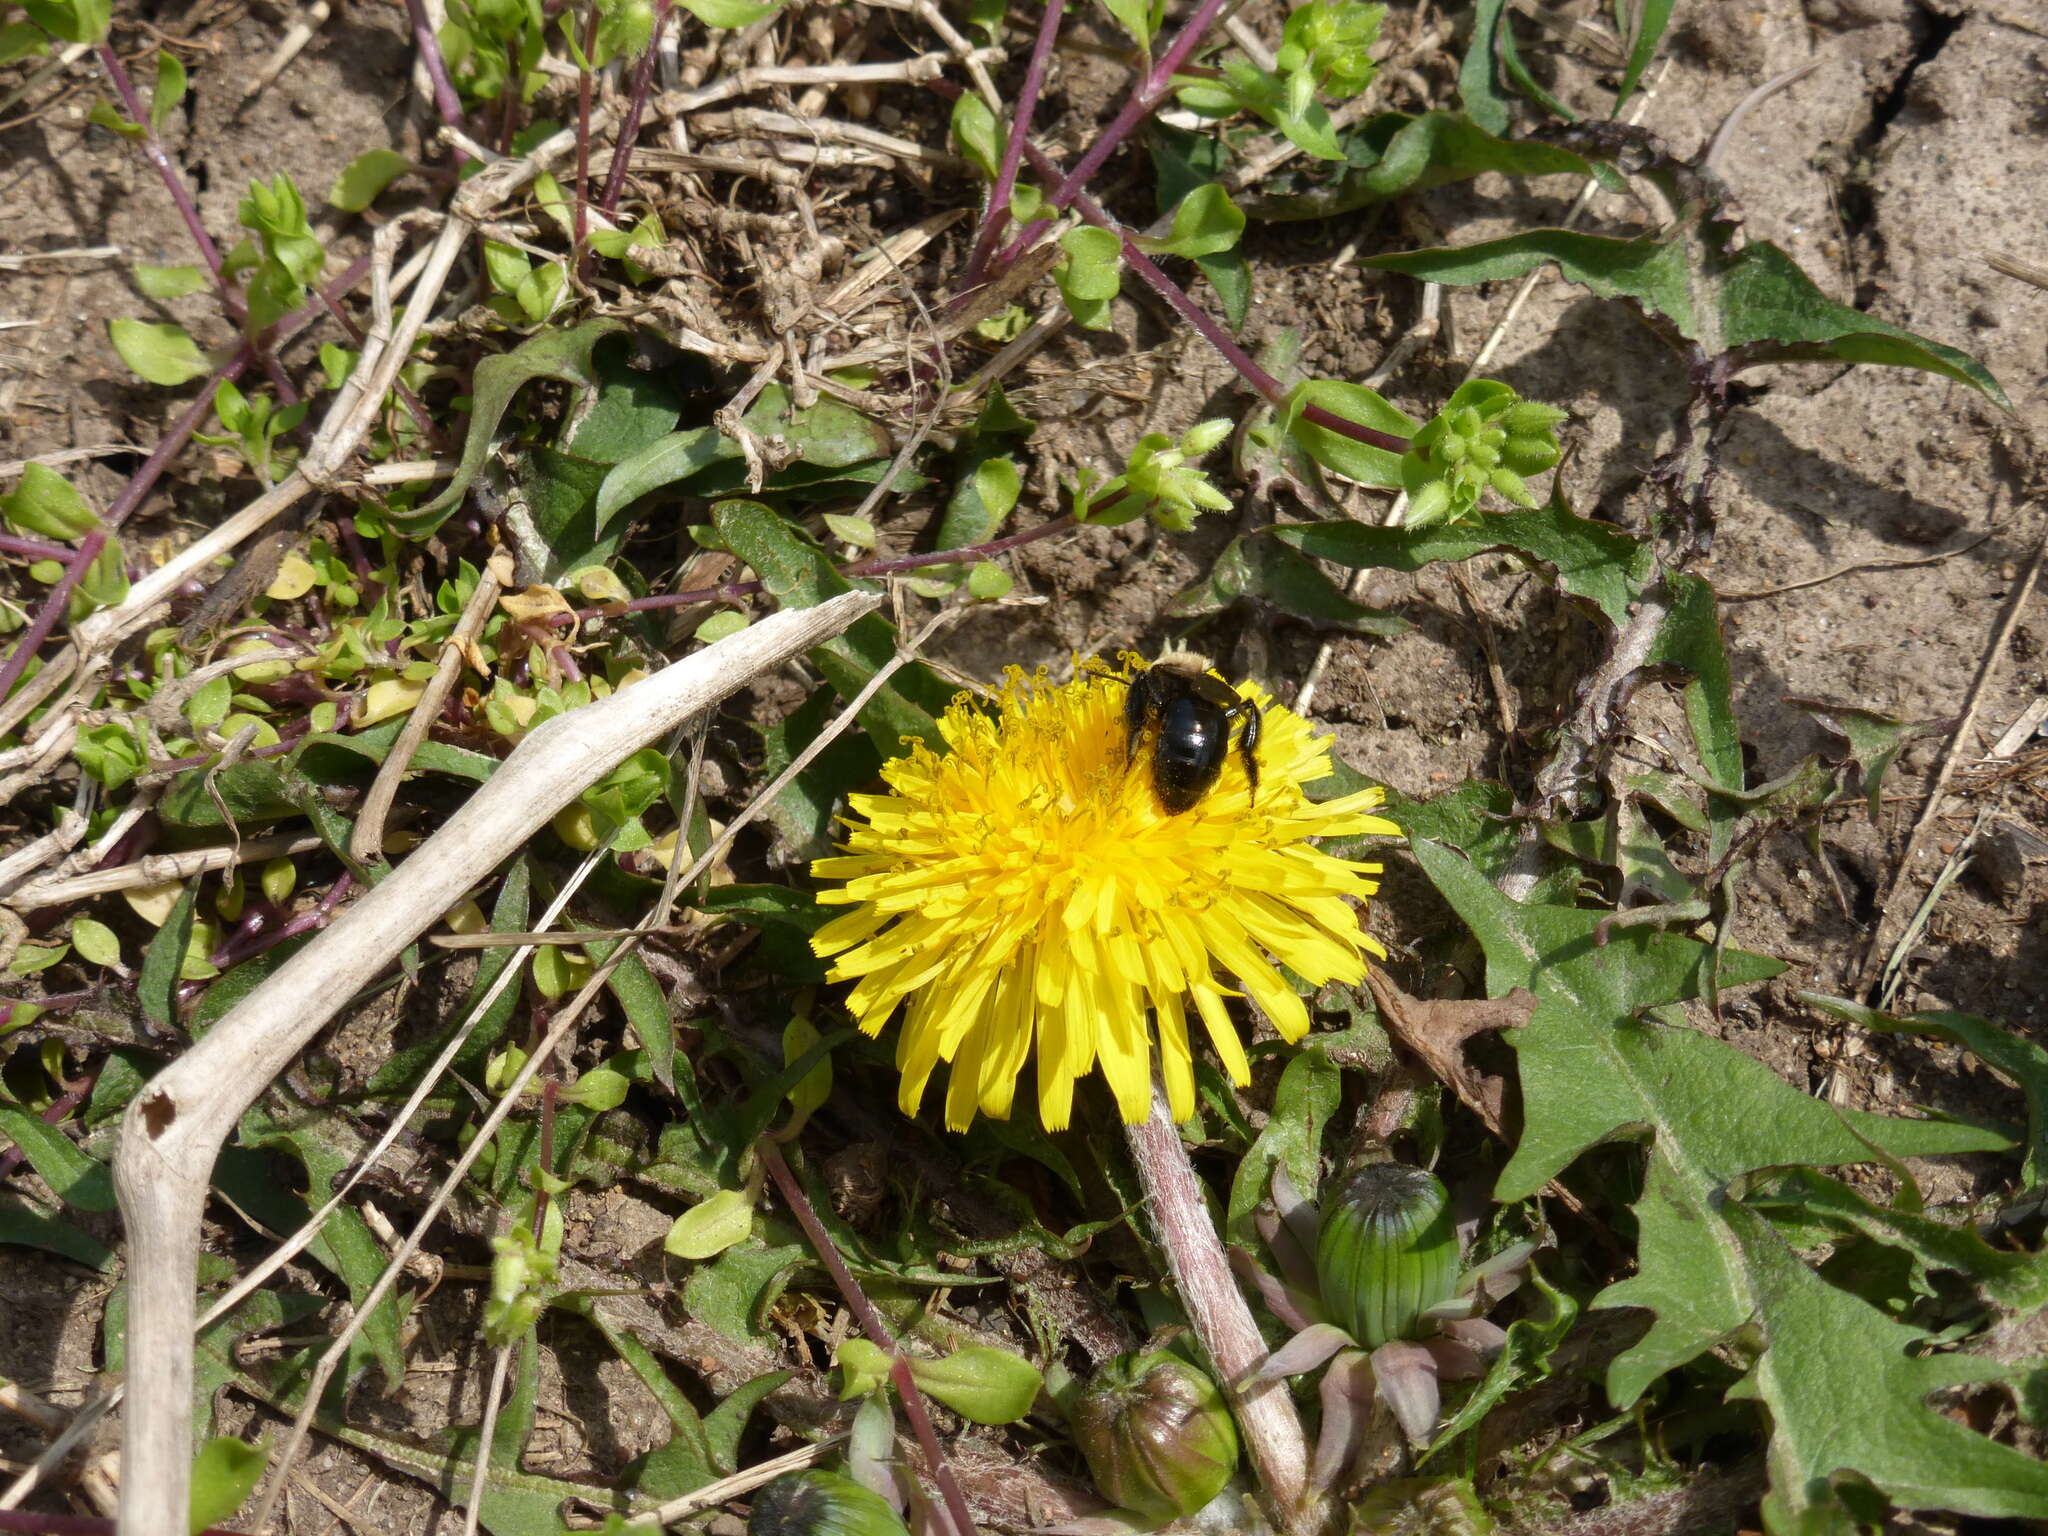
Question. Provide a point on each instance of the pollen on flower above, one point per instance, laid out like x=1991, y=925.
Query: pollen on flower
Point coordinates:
x=1024, y=898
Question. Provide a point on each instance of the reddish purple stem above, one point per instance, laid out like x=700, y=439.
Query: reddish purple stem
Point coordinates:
x=877, y=1331
x=629, y=130
x=997, y=218
x=446, y=102
x=33, y=549
x=1268, y=386
x=733, y=590
x=1139, y=106
x=153, y=152
x=146, y=477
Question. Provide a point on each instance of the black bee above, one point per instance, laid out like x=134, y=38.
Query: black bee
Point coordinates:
x=1189, y=715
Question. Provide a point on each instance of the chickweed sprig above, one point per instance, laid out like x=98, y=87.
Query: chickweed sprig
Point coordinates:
x=1159, y=481
x=1486, y=437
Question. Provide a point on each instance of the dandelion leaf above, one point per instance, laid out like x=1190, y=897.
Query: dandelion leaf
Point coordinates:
x=1753, y=304
x=1593, y=1070
x=1600, y=565
x=1846, y=1397
x=569, y=356
x=2021, y=1060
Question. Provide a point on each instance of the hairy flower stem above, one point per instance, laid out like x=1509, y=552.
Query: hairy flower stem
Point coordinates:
x=877, y=1331
x=1216, y=1307
x=997, y=216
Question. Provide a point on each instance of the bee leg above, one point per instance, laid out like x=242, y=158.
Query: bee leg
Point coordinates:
x=1137, y=713
x=1248, y=747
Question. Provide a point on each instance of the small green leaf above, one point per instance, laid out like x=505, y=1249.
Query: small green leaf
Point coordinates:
x=505, y=265
x=857, y=531
x=1140, y=18
x=44, y=503
x=95, y=941
x=103, y=115
x=165, y=283
x=168, y=91
x=1207, y=223
x=162, y=354
x=364, y=177
x=982, y=1385
x=987, y=581
x=1363, y=462
x=711, y=1226
x=720, y=625
x=978, y=134
x=75, y=21
x=731, y=13
x=1091, y=275
x=110, y=753
x=225, y=1473
x=863, y=1368
x=799, y=1037
x=21, y=40
x=599, y=1089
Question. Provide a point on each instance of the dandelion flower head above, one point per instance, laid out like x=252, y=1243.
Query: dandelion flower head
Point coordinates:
x=1024, y=896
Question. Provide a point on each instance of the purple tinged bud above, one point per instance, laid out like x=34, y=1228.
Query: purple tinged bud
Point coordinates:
x=1157, y=1435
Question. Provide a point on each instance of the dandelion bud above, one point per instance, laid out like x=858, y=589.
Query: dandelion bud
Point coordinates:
x=817, y=1503
x=1387, y=1251
x=1156, y=1434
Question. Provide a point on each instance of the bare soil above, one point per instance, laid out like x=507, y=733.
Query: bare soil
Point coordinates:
x=1873, y=525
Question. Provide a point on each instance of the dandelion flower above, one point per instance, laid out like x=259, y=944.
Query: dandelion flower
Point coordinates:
x=1024, y=894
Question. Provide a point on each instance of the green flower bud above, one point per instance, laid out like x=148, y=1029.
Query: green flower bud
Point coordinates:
x=1156, y=1434
x=1529, y=418
x=1513, y=487
x=1529, y=455
x=818, y=1503
x=1388, y=1250
x=1429, y=504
